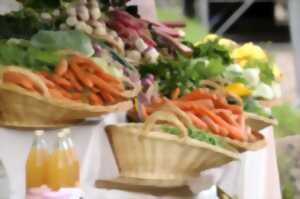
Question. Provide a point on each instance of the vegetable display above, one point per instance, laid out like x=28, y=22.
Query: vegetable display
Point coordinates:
x=208, y=110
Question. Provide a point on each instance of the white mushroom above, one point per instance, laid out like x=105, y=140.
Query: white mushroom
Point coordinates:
x=83, y=13
x=71, y=11
x=94, y=4
x=56, y=12
x=113, y=33
x=63, y=26
x=95, y=13
x=72, y=21
x=100, y=30
x=46, y=16
x=80, y=25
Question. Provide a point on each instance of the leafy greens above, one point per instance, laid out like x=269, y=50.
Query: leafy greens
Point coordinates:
x=194, y=133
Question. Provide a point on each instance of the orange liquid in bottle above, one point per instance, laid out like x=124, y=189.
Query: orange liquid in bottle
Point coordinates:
x=59, y=166
x=36, y=165
x=75, y=170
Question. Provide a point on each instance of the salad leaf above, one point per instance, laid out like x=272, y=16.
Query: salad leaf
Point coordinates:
x=57, y=40
x=253, y=106
x=22, y=53
x=194, y=133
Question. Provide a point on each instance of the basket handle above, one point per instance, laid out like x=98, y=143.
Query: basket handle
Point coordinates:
x=171, y=115
x=39, y=82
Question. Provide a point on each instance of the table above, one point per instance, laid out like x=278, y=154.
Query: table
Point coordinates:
x=254, y=176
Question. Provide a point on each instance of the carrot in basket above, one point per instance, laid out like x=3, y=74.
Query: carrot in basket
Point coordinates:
x=233, y=131
x=62, y=67
x=81, y=75
x=94, y=99
x=104, y=86
x=92, y=66
x=199, y=94
x=62, y=82
x=107, y=98
x=175, y=93
x=227, y=116
x=219, y=103
x=197, y=121
x=19, y=79
x=71, y=77
x=215, y=128
x=48, y=82
x=194, y=103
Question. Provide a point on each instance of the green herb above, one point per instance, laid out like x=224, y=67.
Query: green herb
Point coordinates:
x=253, y=106
x=182, y=72
x=58, y=40
x=213, y=50
x=194, y=133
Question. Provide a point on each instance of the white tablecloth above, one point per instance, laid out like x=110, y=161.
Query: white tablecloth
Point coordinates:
x=254, y=176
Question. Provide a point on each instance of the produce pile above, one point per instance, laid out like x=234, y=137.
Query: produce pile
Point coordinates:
x=209, y=111
x=96, y=52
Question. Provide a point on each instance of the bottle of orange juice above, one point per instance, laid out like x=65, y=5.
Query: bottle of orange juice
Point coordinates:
x=36, y=165
x=59, y=172
x=74, y=158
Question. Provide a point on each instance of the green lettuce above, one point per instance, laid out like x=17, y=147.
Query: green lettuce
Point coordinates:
x=58, y=40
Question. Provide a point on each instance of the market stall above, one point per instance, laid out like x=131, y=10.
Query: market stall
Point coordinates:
x=148, y=111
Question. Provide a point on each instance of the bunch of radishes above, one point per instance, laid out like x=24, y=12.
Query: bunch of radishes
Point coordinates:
x=135, y=33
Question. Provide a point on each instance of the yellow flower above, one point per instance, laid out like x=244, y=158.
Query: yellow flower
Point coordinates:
x=276, y=72
x=239, y=89
x=248, y=52
x=227, y=43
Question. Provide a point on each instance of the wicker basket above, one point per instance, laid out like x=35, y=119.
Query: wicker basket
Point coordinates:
x=23, y=109
x=147, y=156
x=258, y=123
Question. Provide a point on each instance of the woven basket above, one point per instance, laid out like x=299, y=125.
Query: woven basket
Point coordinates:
x=258, y=123
x=23, y=109
x=147, y=156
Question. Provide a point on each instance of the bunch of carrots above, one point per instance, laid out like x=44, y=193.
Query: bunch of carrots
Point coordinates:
x=76, y=78
x=208, y=111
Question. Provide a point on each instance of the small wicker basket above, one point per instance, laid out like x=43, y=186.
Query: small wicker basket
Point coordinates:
x=150, y=157
x=23, y=109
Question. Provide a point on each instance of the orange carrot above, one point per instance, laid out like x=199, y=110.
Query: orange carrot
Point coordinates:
x=62, y=67
x=61, y=81
x=175, y=93
x=197, y=121
x=104, y=86
x=81, y=75
x=48, y=82
x=71, y=77
x=211, y=124
x=219, y=103
x=199, y=94
x=226, y=115
x=234, y=132
x=107, y=98
x=94, y=99
x=93, y=67
x=194, y=103
x=19, y=79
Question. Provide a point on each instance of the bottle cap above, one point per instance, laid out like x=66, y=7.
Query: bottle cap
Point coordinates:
x=39, y=132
